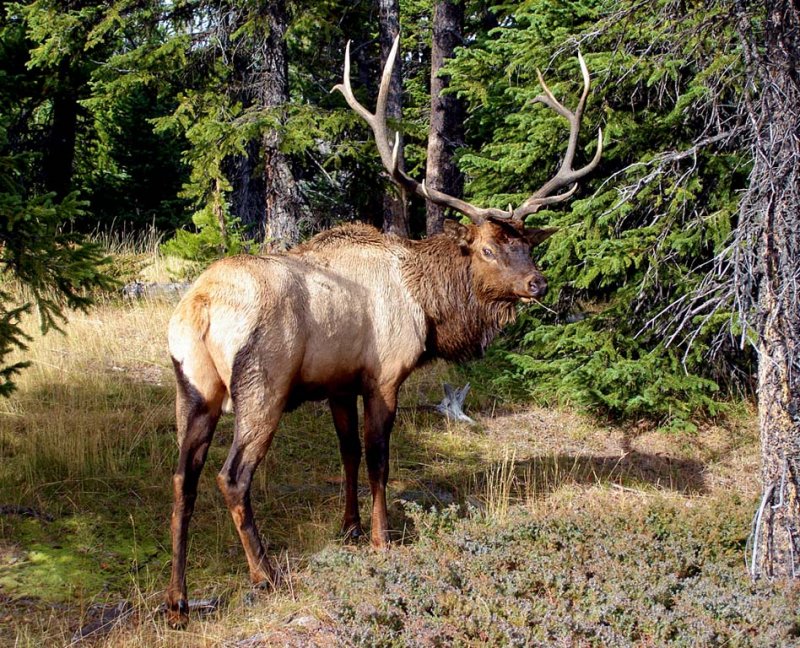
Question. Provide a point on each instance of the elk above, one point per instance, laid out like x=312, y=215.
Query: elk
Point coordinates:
x=349, y=313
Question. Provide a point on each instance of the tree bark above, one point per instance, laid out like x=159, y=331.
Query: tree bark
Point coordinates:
x=771, y=213
x=447, y=113
x=247, y=196
x=395, y=214
x=282, y=202
x=58, y=164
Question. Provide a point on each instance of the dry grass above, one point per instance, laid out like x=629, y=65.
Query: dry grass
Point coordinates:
x=90, y=398
x=137, y=256
x=88, y=442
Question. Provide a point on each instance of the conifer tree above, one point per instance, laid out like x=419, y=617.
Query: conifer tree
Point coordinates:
x=43, y=261
x=283, y=202
x=763, y=270
x=642, y=231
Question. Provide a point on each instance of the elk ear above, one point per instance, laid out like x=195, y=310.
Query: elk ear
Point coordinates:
x=461, y=234
x=536, y=236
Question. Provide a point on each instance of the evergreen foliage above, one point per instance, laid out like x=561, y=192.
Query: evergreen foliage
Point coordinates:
x=136, y=173
x=50, y=266
x=45, y=263
x=89, y=137
x=662, y=205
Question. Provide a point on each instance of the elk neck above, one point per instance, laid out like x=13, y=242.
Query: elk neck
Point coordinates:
x=462, y=318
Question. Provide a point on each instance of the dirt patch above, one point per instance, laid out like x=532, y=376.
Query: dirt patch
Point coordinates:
x=147, y=374
x=714, y=459
x=302, y=632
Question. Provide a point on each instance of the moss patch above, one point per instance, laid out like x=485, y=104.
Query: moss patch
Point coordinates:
x=72, y=558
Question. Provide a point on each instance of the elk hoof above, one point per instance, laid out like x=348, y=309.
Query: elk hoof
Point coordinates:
x=265, y=578
x=263, y=585
x=178, y=614
x=352, y=532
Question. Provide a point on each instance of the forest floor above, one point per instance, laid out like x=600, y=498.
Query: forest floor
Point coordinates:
x=535, y=527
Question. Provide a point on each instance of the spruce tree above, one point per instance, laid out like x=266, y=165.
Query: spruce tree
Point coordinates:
x=639, y=235
x=45, y=263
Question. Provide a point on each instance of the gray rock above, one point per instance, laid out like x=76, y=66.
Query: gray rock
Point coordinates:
x=171, y=291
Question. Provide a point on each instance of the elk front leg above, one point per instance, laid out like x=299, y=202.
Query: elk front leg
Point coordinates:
x=379, y=413
x=345, y=420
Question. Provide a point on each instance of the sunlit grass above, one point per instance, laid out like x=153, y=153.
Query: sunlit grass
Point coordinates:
x=137, y=256
x=88, y=407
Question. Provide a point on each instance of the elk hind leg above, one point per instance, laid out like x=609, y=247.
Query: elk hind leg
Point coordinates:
x=257, y=415
x=345, y=420
x=198, y=405
x=380, y=407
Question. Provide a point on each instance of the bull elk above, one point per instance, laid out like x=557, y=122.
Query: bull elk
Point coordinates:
x=349, y=313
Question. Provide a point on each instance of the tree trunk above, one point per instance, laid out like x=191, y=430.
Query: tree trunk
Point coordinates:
x=776, y=548
x=395, y=214
x=57, y=165
x=447, y=113
x=283, y=204
x=247, y=196
x=771, y=212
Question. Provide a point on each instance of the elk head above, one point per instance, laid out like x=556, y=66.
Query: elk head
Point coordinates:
x=501, y=257
x=497, y=240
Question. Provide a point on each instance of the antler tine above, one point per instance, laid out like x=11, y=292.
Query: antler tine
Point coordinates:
x=532, y=205
x=566, y=175
x=347, y=90
x=549, y=99
x=377, y=120
x=586, y=81
x=396, y=155
x=386, y=81
x=390, y=155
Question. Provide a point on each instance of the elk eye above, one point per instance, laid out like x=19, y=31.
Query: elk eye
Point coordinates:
x=488, y=253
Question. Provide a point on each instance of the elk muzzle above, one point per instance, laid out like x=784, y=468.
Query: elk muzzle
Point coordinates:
x=538, y=286
x=535, y=287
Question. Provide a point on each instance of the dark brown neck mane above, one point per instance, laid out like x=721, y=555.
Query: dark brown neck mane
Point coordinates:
x=461, y=320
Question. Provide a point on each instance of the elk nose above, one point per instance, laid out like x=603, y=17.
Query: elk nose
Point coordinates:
x=537, y=286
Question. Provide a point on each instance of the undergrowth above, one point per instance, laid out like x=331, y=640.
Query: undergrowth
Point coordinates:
x=655, y=572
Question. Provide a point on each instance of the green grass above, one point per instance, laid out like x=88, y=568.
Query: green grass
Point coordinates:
x=537, y=527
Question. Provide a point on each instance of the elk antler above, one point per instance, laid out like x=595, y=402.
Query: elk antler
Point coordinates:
x=389, y=153
x=566, y=175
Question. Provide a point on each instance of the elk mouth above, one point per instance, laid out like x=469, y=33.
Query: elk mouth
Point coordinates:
x=533, y=289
